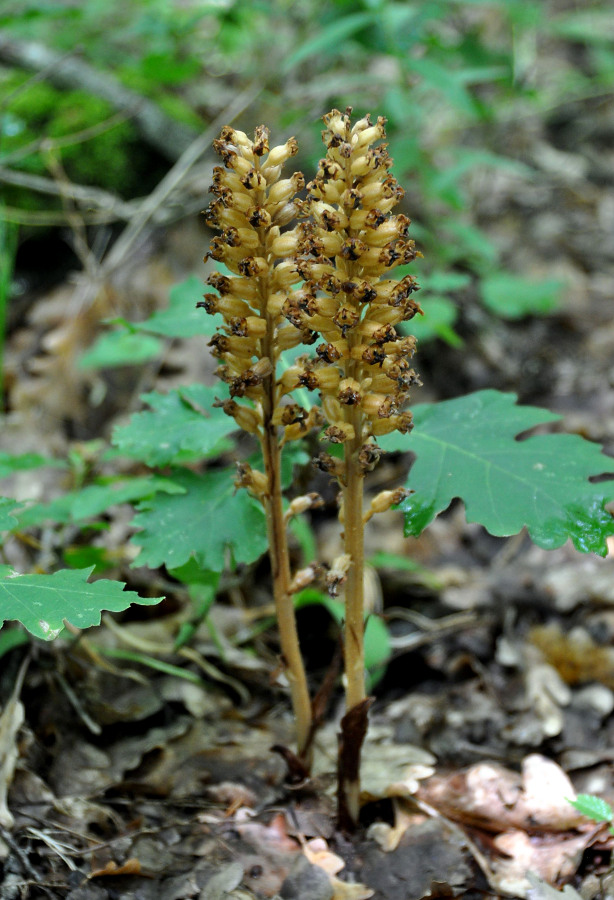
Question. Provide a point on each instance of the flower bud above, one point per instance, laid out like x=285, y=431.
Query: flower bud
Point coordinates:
x=331, y=408
x=364, y=136
x=253, y=267
x=285, y=212
x=329, y=464
x=246, y=418
x=288, y=414
x=349, y=392
x=385, y=499
x=304, y=577
x=339, y=433
x=280, y=154
x=369, y=456
x=248, y=326
x=285, y=245
x=302, y=504
x=337, y=574
x=256, y=482
x=285, y=190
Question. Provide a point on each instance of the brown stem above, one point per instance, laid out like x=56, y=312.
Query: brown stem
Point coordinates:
x=280, y=567
x=354, y=592
x=354, y=654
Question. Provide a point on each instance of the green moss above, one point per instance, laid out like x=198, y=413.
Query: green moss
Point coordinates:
x=112, y=159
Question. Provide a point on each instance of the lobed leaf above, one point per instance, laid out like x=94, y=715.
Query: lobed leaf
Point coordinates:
x=7, y=521
x=10, y=463
x=593, y=807
x=467, y=448
x=211, y=518
x=182, y=319
x=91, y=501
x=42, y=602
x=182, y=424
x=120, y=348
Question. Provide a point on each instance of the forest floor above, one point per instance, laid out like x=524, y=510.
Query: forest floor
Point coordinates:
x=498, y=703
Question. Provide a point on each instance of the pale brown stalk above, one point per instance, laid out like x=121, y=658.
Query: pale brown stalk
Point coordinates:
x=252, y=207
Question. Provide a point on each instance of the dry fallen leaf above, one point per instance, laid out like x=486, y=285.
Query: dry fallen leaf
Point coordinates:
x=344, y=891
x=497, y=799
x=132, y=866
x=551, y=857
x=318, y=854
x=539, y=890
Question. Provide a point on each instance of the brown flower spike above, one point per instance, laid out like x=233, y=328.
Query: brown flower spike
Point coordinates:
x=347, y=250
x=344, y=253
x=253, y=204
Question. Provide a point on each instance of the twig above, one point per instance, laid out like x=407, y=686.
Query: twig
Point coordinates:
x=82, y=194
x=67, y=140
x=159, y=130
x=174, y=177
x=53, y=218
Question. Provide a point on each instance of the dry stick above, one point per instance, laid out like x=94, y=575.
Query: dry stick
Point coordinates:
x=66, y=71
x=175, y=176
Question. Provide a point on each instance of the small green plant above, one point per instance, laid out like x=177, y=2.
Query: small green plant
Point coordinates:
x=594, y=808
x=304, y=312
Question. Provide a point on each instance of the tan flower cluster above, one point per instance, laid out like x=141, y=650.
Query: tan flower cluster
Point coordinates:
x=345, y=253
x=253, y=204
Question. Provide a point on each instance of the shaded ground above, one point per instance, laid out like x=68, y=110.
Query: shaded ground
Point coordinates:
x=135, y=783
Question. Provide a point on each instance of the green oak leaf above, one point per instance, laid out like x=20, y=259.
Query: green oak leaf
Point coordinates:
x=595, y=808
x=10, y=463
x=182, y=319
x=42, y=602
x=7, y=521
x=467, y=448
x=181, y=425
x=211, y=517
x=513, y=297
x=120, y=348
x=93, y=500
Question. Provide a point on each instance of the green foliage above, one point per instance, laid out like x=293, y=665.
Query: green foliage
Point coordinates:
x=42, y=602
x=205, y=522
x=33, y=111
x=93, y=500
x=21, y=462
x=182, y=426
x=7, y=521
x=378, y=649
x=121, y=348
x=133, y=343
x=594, y=808
x=512, y=297
x=182, y=319
x=468, y=448
x=10, y=638
x=8, y=249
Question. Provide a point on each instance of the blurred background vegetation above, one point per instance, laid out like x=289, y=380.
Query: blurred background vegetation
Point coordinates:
x=455, y=79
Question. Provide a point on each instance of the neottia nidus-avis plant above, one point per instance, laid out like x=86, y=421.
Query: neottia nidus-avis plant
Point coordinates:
x=324, y=283
x=309, y=305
